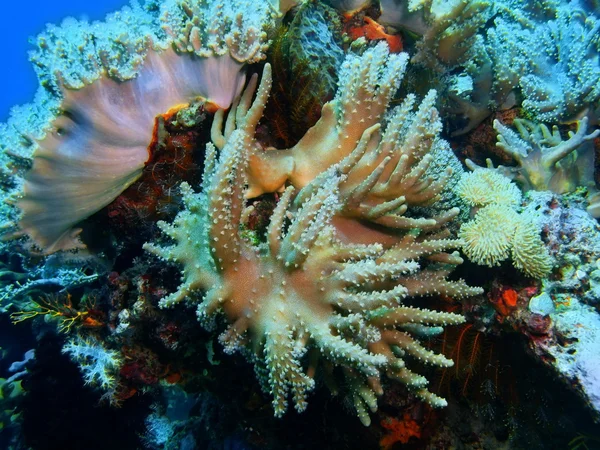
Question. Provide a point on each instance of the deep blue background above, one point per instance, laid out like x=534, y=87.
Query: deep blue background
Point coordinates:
x=23, y=19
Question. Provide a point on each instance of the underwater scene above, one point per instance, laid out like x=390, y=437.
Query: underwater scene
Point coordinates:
x=305, y=224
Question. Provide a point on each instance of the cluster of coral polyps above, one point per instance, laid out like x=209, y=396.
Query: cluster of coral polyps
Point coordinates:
x=343, y=254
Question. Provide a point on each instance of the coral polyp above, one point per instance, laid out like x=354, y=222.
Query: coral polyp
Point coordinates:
x=305, y=289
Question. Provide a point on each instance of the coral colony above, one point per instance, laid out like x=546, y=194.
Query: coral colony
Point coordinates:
x=366, y=200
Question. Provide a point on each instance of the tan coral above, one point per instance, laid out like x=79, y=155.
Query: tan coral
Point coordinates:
x=384, y=182
x=546, y=161
x=369, y=82
x=305, y=289
x=528, y=251
x=482, y=187
x=488, y=237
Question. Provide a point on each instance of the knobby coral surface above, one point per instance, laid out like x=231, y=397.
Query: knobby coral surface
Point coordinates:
x=486, y=51
x=317, y=286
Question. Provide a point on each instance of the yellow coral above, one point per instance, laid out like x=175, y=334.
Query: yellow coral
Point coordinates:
x=488, y=237
x=486, y=186
x=528, y=251
x=497, y=229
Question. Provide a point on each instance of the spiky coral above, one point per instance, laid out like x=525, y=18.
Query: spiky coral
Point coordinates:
x=486, y=50
x=98, y=365
x=367, y=84
x=311, y=287
x=415, y=177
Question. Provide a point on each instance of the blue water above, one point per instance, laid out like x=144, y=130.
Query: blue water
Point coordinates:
x=21, y=20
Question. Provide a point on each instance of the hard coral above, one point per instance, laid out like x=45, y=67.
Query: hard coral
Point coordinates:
x=305, y=289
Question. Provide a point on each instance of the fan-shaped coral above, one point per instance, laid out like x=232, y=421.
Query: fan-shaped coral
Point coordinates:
x=111, y=95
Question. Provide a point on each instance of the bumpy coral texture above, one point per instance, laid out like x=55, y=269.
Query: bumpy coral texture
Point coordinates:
x=98, y=365
x=546, y=50
x=312, y=287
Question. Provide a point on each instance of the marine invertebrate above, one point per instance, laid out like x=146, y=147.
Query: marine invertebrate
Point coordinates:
x=54, y=274
x=369, y=80
x=84, y=314
x=546, y=161
x=305, y=56
x=564, y=79
x=399, y=430
x=474, y=48
x=121, y=77
x=305, y=289
x=98, y=365
x=373, y=31
x=367, y=84
x=274, y=302
x=498, y=230
x=482, y=187
x=488, y=237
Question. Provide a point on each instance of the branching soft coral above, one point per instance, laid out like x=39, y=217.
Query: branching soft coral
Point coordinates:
x=546, y=161
x=305, y=289
x=98, y=365
x=385, y=182
x=486, y=51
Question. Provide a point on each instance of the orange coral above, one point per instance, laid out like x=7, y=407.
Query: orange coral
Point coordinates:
x=374, y=31
x=505, y=301
x=400, y=430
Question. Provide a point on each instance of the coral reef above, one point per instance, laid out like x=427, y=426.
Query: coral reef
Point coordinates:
x=210, y=199
x=97, y=143
x=553, y=64
x=305, y=55
x=97, y=364
x=545, y=161
x=575, y=360
x=307, y=290
x=55, y=274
